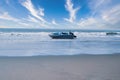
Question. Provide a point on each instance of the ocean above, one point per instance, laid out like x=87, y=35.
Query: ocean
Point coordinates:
x=36, y=42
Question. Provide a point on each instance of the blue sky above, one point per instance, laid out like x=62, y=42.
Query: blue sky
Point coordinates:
x=60, y=14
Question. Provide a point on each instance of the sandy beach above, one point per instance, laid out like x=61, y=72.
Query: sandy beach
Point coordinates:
x=80, y=67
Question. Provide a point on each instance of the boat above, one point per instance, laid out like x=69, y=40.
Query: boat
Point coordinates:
x=111, y=33
x=62, y=35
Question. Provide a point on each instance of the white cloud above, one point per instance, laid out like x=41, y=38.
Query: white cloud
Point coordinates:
x=72, y=11
x=87, y=22
x=36, y=13
x=35, y=22
x=109, y=12
x=24, y=24
x=36, y=17
x=41, y=12
x=90, y=23
x=32, y=19
x=112, y=15
x=54, y=22
x=104, y=15
x=97, y=6
x=6, y=16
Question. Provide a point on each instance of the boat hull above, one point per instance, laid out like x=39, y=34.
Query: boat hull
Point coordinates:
x=63, y=37
x=111, y=33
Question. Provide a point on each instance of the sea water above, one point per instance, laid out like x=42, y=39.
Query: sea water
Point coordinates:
x=34, y=42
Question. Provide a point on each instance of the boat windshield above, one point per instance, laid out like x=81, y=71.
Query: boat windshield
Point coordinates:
x=62, y=33
x=55, y=33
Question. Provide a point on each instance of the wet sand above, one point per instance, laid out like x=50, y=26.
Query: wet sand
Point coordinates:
x=80, y=67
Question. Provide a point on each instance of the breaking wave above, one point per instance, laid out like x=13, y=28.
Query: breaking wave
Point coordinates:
x=39, y=43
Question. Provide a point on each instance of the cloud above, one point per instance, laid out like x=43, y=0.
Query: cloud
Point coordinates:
x=91, y=23
x=112, y=15
x=72, y=11
x=105, y=15
x=6, y=16
x=97, y=6
x=24, y=23
x=87, y=22
x=41, y=12
x=54, y=22
x=32, y=19
x=35, y=22
x=36, y=13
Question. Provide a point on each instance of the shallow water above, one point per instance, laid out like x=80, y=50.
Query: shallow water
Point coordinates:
x=39, y=43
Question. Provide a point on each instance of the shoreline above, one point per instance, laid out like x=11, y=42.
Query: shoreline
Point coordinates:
x=76, y=55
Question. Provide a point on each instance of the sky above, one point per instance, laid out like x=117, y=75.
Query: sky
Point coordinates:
x=60, y=14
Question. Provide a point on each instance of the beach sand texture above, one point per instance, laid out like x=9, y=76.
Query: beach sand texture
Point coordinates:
x=81, y=67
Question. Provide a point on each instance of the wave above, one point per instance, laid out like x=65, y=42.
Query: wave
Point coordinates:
x=44, y=36
x=33, y=44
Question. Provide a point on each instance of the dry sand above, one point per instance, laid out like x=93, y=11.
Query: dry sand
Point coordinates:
x=81, y=67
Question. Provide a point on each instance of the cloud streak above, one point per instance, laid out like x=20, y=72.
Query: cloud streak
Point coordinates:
x=97, y=6
x=54, y=22
x=36, y=13
x=6, y=16
x=105, y=14
x=72, y=11
x=112, y=15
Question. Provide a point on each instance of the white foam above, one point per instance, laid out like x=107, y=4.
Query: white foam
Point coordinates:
x=30, y=44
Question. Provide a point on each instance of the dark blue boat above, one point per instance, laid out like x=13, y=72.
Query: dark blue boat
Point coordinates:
x=62, y=35
x=111, y=33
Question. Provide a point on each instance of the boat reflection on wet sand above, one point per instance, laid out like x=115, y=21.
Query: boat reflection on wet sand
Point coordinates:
x=62, y=35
